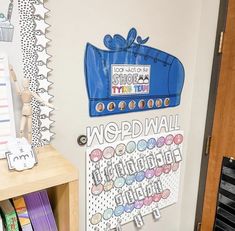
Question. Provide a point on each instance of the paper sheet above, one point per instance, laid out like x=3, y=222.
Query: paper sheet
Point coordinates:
x=7, y=124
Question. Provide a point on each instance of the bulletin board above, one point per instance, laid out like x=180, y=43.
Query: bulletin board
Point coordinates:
x=132, y=177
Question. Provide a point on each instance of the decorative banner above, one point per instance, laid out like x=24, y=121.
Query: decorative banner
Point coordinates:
x=131, y=77
x=129, y=179
x=35, y=57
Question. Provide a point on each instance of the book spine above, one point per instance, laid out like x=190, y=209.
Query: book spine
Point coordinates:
x=22, y=213
x=11, y=222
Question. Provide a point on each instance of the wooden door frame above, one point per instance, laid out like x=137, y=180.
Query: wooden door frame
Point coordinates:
x=210, y=111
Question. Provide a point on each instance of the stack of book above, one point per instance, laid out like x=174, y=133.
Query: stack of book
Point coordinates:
x=31, y=212
x=40, y=211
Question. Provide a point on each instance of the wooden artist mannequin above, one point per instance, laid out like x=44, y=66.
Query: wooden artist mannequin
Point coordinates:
x=26, y=98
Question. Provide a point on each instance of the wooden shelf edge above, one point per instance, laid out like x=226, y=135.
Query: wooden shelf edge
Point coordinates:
x=52, y=170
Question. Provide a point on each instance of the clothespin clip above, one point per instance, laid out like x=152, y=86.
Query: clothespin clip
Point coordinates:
x=130, y=196
x=141, y=163
x=139, y=222
x=108, y=171
x=156, y=214
x=140, y=195
x=119, y=226
x=119, y=198
x=97, y=175
x=150, y=189
x=158, y=186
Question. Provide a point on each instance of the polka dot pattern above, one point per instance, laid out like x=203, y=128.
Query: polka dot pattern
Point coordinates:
x=31, y=64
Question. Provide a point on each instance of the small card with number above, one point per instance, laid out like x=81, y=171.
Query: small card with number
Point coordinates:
x=20, y=156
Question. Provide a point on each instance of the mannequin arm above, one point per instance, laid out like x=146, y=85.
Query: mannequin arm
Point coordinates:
x=14, y=79
x=39, y=99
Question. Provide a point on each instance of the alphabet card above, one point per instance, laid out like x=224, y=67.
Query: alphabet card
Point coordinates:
x=20, y=155
x=129, y=179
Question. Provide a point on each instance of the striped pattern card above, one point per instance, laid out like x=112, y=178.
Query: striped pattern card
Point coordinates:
x=7, y=124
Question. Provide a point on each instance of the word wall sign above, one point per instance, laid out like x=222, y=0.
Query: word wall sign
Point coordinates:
x=129, y=179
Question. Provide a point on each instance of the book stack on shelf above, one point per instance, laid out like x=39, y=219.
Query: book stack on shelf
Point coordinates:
x=31, y=212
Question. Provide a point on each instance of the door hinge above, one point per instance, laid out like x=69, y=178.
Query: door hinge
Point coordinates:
x=208, y=145
x=199, y=225
x=221, y=41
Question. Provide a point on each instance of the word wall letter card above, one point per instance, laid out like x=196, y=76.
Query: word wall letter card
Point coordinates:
x=7, y=124
x=129, y=179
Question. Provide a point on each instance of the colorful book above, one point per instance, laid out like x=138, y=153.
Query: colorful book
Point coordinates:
x=9, y=216
x=40, y=211
x=22, y=213
x=7, y=124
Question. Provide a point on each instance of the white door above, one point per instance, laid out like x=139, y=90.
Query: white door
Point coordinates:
x=173, y=27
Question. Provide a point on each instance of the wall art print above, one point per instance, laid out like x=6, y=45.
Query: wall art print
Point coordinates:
x=129, y=179
x=130, y=76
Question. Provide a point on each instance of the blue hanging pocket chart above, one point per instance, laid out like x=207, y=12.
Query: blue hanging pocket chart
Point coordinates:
x=131, y=76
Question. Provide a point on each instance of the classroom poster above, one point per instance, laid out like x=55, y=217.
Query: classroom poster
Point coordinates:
x=129, y=179
x=130, y=76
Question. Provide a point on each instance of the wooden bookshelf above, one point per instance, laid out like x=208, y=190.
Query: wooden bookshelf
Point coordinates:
x=54, y=173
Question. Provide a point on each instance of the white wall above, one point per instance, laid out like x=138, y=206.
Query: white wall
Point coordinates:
x=185, y=28
x=201, y=83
